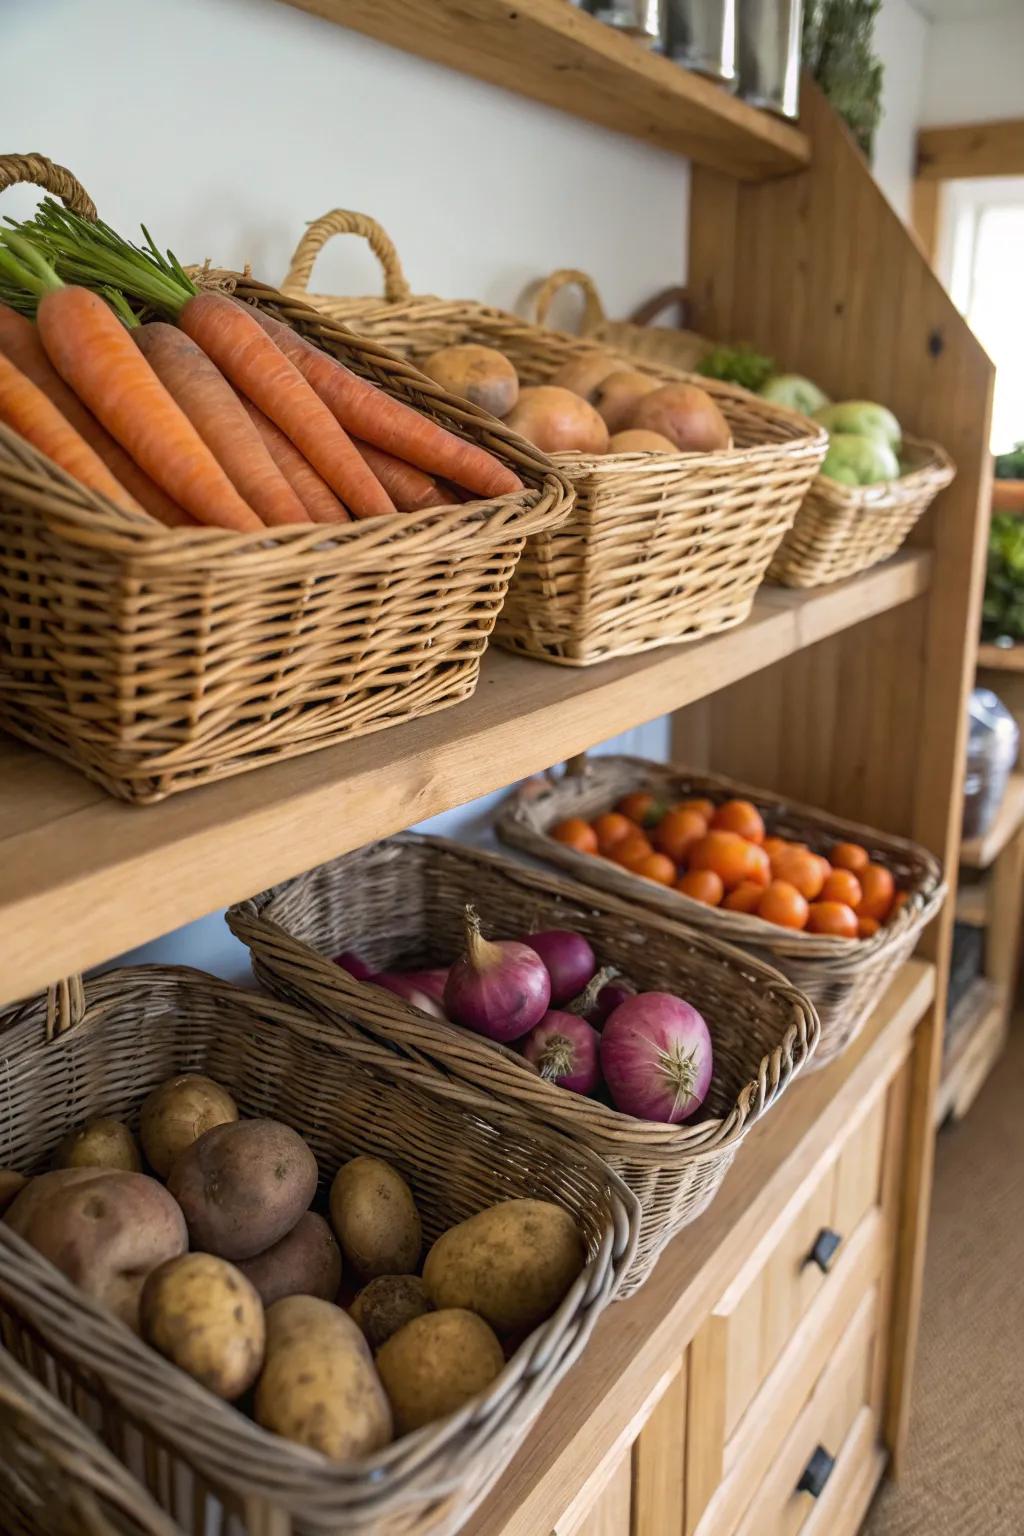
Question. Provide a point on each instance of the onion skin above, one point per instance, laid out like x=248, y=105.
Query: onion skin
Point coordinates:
x=565, y=1049
x=608, y=999
x=355, y=965
x=656, y=1058
x=569, y=959
x=431, y=982
x=500, y=990
x=406, y=987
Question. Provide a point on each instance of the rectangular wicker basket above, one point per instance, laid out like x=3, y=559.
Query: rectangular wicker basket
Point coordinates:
x=842, y=978
x=659, y=547
x=200, y=1458
x=400, y=904
x=154, y=659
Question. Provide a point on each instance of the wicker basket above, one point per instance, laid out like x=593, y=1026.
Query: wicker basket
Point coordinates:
x=459, y=1151
x=400, y=903
x=666, y=346
x=660, y=547
x=155, y=659
x=842, y=979
x=842, y=529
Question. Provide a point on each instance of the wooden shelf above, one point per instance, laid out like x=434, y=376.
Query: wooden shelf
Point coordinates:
x=972, y=904
x=980, y=852
x=86, y=877
x=548, y=50
x=1001, y=658
x=638, y=1340
x=975, y=1040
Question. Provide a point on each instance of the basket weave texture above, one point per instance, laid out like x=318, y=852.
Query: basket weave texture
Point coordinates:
x=843, y=979
x=659, y=547
x=400, y=905
x=346, y=1096
x=155, y=659
x=667, y=346
x=843, y=529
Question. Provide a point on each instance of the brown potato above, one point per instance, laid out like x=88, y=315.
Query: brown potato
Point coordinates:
x=511, y=1263
x=305, y=1262
x=557, y=421
x=435, y=1364
x=319, y=1386
x=633, y=440
x=204, y=1315
x=686, y=415
x=481, y=375
x=243, y=1185
x=179, y=1111
x=616, y=396
x=11, y=1186
x=583, y=374
x=387, y=1304
x=103, y=1143
x=375, y=1218
x=104, y=1228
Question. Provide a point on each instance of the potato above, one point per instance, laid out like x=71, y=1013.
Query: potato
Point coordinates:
x=435, y=1364
x=204, y=1315
x=104, y=1228
x=511, y=1263
x=557, y=421
x=617, y=395
x=103, y=1143
x=582, y=375
x=11, y=1186
x=179, y=1111
x=319, y=1386
x=306, y=1262
x=243, y=1185
x=686, y=415
x=387, y=1304
x=479, y=374
x=375, y=1217
x=634, y=440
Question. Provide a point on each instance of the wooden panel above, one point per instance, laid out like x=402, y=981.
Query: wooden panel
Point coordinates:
x=858, y=1173
x=980, y=852
x=611, y=1515
x=971, y=149
x=85, y=877
x=976, y=1037
x=1001, y=658
x=1002, y=948
x=659, y=1457
x=705, y=1418
x=553, y=53
x=926, y=208
x=871, y=725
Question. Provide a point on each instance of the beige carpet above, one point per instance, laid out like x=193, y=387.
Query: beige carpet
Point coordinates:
x=965, y=1472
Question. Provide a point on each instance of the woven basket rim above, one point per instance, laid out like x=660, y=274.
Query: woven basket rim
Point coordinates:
x=935, y=471
x=608, y=1129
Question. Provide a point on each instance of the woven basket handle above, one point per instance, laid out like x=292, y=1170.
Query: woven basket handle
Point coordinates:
x=40, y=172
x=652, y=308
x=65, y=1006
x=568, y=277
x=341, y=221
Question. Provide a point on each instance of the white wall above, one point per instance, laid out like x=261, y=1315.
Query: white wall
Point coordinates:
x=975, y=68
x=901, y=40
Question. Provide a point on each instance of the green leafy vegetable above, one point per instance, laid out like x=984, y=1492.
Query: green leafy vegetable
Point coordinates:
x=1010, y=466
x=1003, y=608
x=737, y=365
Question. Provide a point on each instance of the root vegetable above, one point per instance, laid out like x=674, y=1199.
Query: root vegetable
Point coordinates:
x=568, y=958
x=177, y=1112
x=686, y=415
x=617, y=396
x=102, y=1143
x=206, y=1317
x=482, y=375
x=436, y=1364
x=635, y=440
x=243, y=1185
x=387, y=1304
x=305, y=1262
x=375, y=1218
x=557, y=421
x=499, y=989
x=565, y=1050
x=656, y=1057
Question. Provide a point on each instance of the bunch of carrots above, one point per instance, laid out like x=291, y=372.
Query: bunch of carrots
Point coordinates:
x=217, y=415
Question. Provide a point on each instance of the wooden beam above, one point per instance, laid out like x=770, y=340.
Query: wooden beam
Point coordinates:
x=926, y=203
x=971, y=149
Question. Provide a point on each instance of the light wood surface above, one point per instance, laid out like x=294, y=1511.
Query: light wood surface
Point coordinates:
x=972, y=903
x=548, y=50
x=638, y=1339
x=980, y=852
x=926, y=210
x=658, y=1462
x=965, y=150
x=977, y=1036
x=86, y=878
x=1001, y=658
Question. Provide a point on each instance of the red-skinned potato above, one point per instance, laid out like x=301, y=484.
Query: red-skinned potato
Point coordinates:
x=481, y=375
x=243, y=1186
x=582, y=375
x=686, y=415
x=11, y=1186
x=305, y=1262
x=634, y=440
x=617, y=396
x=557, y=421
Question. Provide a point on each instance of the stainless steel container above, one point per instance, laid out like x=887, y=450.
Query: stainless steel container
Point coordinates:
x=702, y=35
x=640, y=18
x=769, y=54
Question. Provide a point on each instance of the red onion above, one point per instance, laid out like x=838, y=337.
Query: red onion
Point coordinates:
x=656, y=1057
x=497, y=989
x=569, y=959
x=354, y=964
x=431, y=982
x=411, y=989
x=564, y=1048
x=602, y=995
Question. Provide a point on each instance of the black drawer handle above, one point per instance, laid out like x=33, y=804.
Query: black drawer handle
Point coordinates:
x=816, y=1473
x=824, y=1251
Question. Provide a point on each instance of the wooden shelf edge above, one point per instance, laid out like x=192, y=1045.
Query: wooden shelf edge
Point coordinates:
x=1000, y=658
x=975, y=1040
x=980, y=852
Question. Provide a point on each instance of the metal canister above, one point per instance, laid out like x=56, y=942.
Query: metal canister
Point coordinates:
x=702, y=35
x=769, y=54
x=640, y=18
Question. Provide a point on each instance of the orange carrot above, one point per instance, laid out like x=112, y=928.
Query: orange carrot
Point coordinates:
x=19, y=341
x=217, y=414
x=370, y=414
x=229, y=335
x=27, y=410
x=92, y=351
x=409, y=488
x=314, y=492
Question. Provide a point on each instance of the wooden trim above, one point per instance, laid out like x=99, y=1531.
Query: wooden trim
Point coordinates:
x=926, y=208
x=971, y=149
